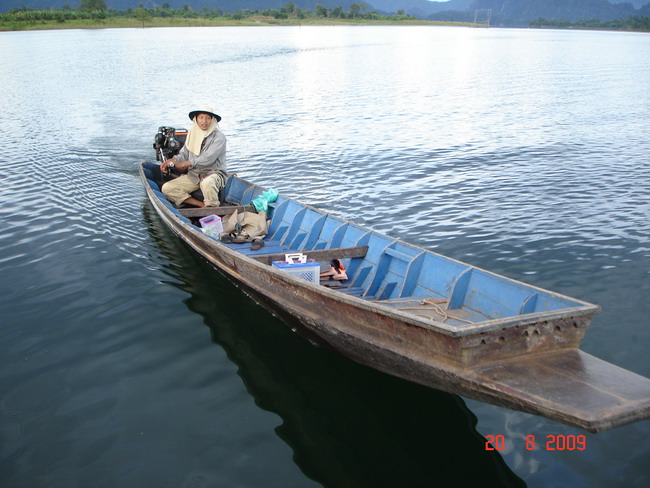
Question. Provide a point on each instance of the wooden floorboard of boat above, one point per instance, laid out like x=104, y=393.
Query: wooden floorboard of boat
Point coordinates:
x=571, y=386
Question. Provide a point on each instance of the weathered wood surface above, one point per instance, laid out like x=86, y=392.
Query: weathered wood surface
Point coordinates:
x=317, y=255
x=221, y=211
x=571, y=386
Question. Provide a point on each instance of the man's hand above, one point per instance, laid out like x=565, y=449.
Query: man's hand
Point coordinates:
x=181, y=166
x=165, y=165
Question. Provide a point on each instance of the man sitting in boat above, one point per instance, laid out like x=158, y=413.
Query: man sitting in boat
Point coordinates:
x=202, y=160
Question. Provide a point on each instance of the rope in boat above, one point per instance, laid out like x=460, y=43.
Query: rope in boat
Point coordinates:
x=435, y=303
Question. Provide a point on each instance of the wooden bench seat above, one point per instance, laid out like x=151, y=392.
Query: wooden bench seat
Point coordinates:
x=316, y=255
x=221, y=211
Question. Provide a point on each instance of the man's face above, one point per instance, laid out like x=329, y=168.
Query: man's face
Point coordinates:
x=203, y=121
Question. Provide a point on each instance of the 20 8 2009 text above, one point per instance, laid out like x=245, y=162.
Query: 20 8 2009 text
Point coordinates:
x=552, y=442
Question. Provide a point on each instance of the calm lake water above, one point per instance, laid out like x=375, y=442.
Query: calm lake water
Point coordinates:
x=126, y=361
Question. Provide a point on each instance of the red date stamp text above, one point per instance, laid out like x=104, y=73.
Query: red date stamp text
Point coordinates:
x=559, y=442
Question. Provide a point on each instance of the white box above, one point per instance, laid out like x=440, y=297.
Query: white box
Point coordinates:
x=306, y=271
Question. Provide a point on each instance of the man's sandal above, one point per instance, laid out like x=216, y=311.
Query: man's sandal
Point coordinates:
x=257, y=244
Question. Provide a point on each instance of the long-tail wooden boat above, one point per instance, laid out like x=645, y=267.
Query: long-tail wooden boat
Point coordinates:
x=422, y=316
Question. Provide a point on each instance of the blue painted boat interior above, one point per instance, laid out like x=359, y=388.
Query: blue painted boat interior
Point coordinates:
x=392, y=272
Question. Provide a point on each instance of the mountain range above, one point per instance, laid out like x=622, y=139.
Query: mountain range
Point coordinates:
x=503, y=12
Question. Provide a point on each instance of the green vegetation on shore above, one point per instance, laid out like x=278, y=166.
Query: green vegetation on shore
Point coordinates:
x=94, y=14
x=636, y=24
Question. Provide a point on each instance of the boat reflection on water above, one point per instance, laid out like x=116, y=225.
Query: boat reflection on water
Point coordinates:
x=348, y=425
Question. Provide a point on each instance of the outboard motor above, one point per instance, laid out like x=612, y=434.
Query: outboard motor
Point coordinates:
x=168, y=141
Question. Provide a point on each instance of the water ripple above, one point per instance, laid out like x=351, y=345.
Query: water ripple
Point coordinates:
x=491, y=146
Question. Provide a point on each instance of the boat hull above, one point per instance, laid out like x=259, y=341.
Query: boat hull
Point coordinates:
x=531, y=363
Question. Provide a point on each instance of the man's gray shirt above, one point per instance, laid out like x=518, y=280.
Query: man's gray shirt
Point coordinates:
x=211, y=160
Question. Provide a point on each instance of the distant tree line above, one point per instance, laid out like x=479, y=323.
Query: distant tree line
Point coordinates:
x=88, y=9
x=638, y=24
x=97, y=9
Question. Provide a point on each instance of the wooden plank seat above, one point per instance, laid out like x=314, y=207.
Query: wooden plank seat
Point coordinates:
x=221, y=211
x=316, y=254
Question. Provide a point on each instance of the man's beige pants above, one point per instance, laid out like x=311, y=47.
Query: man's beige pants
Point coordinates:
x=178, y=190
